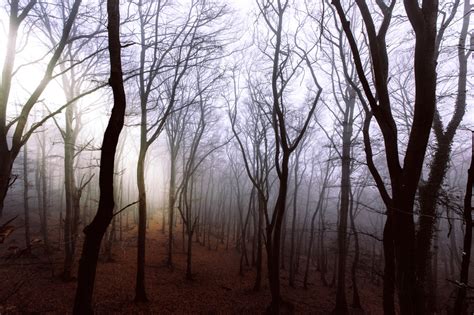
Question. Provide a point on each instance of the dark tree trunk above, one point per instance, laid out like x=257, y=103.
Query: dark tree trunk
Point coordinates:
x=140, y=292
x=404, y=177
x=341, y=301
x=261, y=209
x=293, y=223
x=189, y=256
x=310, y=250
x=95, y=231
x=274, y=237
x=355, y=264
x=389, y=272
x=429, y=191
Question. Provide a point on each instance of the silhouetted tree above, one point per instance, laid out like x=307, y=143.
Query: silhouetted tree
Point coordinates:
x=95, y=231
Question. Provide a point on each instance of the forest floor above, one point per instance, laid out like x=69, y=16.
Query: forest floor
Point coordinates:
x=33, y=284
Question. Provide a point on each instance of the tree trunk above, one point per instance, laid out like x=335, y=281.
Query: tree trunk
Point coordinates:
x=429, y=192
x=171, y=202
x=341, y=301
x=389, y=272
x=94, y=232
x=140, y=293
x=189, y=274
x=70, y=193
x=261, y=209
x=42, y=196
x=460, y=305
x=274, y=237
x=25, y=199
x=293, y=225
x=355, y=288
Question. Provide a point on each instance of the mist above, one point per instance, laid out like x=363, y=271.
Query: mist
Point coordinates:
x=267, y=156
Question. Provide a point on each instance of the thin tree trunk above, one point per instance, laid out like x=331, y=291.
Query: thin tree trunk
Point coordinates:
x=171, y=202
x=25, y=198
x=261, y=210
x=355, y=288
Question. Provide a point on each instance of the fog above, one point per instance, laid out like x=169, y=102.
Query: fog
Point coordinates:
x=262, y=156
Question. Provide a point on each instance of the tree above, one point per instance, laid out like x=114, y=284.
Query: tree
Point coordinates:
x=460, y=305
x=429, y=191
x=325, y=175
x=298, y=178
x=95, y=231
x=164, y=62
x=175, y=127
x=200, y=121
x=75, y=64
x=286, y=60
x=404, y=177
x=253, y=143
x=8, y=153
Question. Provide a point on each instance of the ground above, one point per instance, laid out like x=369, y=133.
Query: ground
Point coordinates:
x=33, y=285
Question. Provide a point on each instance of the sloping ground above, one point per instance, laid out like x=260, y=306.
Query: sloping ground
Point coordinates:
x=28, y=284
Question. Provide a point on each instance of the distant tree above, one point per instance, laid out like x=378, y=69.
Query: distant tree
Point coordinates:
x=252, y=138
x=326, y=170
x=175, y=131
x=26, y=205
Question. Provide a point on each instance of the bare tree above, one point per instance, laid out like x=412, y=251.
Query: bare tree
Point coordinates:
x=460, y=305
x=444, y=135
x=76, y=65
x=95, y=231
x=404, y=177
x=168, y=59
x=286, y=59
x=8, y=153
